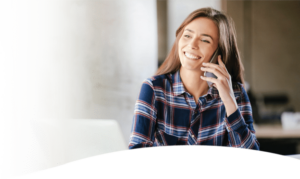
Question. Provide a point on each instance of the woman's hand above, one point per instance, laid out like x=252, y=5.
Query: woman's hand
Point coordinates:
x=223, y=84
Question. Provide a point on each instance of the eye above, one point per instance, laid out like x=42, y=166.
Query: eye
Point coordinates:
x=205, y=41
x=186, y=36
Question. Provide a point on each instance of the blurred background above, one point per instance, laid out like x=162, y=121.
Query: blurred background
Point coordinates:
x=71, y=71
x=268, y=42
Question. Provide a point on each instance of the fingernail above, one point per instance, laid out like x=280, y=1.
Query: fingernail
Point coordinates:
x=204, y=63
x=201, y=76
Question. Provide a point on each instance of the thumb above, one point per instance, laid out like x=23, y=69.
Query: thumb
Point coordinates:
x=214, y=85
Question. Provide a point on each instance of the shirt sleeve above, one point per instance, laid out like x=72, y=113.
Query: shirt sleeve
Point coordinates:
x=144, y=119
x=240, y=125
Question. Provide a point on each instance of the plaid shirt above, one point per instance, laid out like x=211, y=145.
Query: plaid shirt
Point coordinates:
x=166, y=114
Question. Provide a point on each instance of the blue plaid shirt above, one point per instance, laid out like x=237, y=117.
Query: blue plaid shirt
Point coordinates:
x=166, y=114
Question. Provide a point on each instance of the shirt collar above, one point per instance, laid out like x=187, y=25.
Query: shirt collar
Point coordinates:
x=213, y=92
x=177, y=84
x=179, y=89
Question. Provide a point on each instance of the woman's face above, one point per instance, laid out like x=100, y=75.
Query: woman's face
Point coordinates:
x=198, y=43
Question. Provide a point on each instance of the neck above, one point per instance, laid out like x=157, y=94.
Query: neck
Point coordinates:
x=193, y=83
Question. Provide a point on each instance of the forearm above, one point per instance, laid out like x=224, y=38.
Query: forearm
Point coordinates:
x=230, y=106
x=144, y=119
x=239, y=133
x=133, y=144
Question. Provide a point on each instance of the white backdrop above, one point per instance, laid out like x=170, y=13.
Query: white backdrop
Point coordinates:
x=79, y=59
x=83, y=59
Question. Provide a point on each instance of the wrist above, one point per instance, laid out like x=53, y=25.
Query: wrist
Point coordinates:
x=230, y=106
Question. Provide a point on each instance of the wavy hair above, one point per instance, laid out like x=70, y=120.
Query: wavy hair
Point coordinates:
x=227, y=45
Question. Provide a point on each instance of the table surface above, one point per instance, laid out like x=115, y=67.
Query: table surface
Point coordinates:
x=297, y=156
x=275, y=131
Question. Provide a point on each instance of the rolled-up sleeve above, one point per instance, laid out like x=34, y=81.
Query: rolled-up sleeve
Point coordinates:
x=240, y=125
x=144, y=119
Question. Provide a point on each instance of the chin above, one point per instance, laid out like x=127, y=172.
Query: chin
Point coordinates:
x=191, y=67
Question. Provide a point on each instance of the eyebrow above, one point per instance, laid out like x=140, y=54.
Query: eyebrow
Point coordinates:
x=201, y=34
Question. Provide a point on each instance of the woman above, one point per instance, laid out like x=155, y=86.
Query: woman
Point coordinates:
x=178, y=107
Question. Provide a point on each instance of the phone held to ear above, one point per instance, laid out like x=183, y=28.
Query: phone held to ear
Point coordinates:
x=214, y=59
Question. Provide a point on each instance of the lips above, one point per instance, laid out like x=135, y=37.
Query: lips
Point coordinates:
x=191, y=55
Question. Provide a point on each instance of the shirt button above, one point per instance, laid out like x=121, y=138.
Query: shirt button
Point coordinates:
x=193, y=136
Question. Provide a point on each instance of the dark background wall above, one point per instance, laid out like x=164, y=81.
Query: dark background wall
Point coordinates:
x=268, y=37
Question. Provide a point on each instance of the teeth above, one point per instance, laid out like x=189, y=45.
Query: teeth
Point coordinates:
x=190, y=55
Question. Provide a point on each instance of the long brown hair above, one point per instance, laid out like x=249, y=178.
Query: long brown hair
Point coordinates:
x=227, y=45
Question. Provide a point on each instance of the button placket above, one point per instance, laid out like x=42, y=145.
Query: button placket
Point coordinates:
x=196, y=115
x=196, y=112
x=197, y=109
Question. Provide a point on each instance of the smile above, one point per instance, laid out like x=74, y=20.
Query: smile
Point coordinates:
x=190, y=56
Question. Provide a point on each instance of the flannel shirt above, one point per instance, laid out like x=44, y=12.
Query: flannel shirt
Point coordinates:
x=166, y=114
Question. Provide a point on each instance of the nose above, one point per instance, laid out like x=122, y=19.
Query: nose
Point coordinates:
x=193, y=44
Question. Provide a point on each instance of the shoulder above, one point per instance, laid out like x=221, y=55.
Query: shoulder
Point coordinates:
x=151, y=86
x=240, y=91
x=157, y=81
x=237, y=86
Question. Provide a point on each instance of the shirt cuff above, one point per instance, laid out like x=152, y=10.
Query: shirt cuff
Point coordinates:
x=234, y=121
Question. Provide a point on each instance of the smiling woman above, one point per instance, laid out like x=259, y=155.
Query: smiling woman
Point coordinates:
x=177, y=107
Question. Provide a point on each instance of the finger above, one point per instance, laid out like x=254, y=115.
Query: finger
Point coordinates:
x=215, y=71
x=213, y=80
x=212, y=65
x=221, y=63
x=214, y=85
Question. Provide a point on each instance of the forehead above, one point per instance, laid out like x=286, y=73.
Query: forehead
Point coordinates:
x=203, y=25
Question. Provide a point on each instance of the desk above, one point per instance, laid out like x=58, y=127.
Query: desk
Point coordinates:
x=297, y=156
x=275, y=139
x=275, y=131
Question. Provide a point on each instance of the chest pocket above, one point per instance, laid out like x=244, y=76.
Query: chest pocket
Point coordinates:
x=163, y=138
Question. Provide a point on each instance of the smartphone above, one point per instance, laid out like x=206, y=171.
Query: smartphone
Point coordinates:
x=214, y=59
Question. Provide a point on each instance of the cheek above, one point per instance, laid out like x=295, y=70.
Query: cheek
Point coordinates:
x=180, y=46
x=179, y=49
